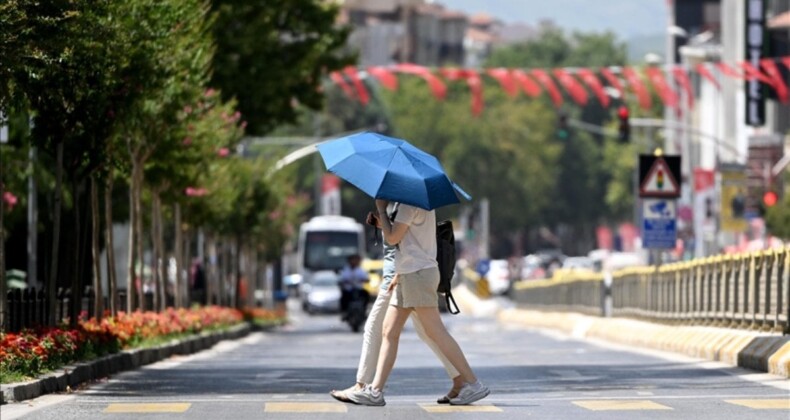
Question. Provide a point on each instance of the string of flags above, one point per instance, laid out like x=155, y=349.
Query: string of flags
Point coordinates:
x=581, y=85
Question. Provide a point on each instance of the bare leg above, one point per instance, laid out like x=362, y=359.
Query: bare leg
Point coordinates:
x=393, y=326
x=435, y=329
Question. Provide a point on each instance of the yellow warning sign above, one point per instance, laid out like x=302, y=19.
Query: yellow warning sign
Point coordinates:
x=734, y=189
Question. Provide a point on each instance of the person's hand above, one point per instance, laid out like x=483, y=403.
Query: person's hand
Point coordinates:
x=373, y=219
x=381, y=205
x=393, y=283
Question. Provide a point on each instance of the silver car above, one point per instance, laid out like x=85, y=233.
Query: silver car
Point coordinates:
x=320, y=292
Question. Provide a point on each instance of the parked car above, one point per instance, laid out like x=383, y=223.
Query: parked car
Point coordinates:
x=579, y=264
x=498, y=277
x=320, y=292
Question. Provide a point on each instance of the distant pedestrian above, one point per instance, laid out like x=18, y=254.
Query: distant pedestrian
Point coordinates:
x=414, y=233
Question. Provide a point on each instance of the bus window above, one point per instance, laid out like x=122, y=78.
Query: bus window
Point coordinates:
x=328, y=250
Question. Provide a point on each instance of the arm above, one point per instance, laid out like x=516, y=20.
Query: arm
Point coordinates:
x=393, y=232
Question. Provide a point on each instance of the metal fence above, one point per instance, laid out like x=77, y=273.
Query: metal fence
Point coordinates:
x=29, y=308
x=750, y=291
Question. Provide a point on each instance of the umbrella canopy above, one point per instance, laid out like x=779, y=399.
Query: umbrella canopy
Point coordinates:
x=391, y=169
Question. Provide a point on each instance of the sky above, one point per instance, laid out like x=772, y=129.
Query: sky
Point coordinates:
x=626, y=18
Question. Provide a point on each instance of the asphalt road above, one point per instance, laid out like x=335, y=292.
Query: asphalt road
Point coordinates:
x=287, y=373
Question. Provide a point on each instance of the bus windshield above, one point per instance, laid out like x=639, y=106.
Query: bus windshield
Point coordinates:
x=329, y=250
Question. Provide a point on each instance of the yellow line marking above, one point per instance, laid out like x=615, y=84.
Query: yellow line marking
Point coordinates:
x=305, y=407
x=605, y=405
x=431, y=408
x=148, y=408
x=762, y=404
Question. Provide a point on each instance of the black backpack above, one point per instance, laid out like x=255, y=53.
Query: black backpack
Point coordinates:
x=445, y=257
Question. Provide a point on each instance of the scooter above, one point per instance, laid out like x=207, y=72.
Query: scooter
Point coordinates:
x=357, y=311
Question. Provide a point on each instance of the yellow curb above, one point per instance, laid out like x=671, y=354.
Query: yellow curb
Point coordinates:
x=729, y=354
x=779, y=362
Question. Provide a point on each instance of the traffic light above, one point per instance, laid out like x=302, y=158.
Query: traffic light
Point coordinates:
x=624, y=128
x=770, y=198
x=562, y=125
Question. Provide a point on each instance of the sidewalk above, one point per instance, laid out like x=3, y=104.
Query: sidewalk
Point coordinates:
x=755, y=350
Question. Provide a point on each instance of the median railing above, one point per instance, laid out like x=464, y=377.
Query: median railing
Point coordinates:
x=738, y=291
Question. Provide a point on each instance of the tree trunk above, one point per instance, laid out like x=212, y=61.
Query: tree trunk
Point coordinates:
x=154, y=252
x=239, y=273
x=57, y=203
x=75, y=300
x=96, y=252
x=162, y=261
x=177, y=254
x=111, y=278
x=131, y=286
x=138, y=227
x=3, y=292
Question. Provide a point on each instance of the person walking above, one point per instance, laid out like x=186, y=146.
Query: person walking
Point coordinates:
x=413, y=231
x=371, y=343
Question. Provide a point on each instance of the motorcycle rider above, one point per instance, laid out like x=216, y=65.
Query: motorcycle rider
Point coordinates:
x=352, y=279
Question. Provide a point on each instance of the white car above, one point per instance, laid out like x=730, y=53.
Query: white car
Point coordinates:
x=498, y=277
x=321, y=293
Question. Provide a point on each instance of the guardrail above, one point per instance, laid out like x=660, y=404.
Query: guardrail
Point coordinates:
x=573, y=292
x=750, y=291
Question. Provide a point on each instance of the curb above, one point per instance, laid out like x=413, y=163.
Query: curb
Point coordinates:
x=758, y=351
x=73, y=375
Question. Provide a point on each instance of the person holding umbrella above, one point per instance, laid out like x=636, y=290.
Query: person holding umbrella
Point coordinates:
x=391, y=169
x=371, y=343
x=414, y=232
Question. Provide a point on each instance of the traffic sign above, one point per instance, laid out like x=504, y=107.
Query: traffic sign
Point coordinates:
x=659, y=227
x=659, y=176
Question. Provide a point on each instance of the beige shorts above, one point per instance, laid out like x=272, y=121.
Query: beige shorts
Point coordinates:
x=417, y=289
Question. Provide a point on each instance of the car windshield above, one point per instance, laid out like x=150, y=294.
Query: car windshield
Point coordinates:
x=322, y=279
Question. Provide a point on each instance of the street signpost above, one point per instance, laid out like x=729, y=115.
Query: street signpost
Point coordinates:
x=659, y=229
x=659, y=187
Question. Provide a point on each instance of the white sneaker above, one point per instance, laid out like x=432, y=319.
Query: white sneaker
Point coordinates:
x=470, y=393
x=367, y=396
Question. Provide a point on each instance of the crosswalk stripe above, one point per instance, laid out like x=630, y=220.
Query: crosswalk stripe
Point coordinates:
x=432, y=408
x=305, y=407
x=147, y=408
x=762, y=404
x=616, y=405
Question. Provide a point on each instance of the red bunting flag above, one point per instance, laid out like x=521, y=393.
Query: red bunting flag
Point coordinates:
x=665, y=92
x=591, y=80
x=612, y=80
x=384, y=76
x=341, y=81
x=703, y=71
x=572, y=86
x=529, y=86
x=638, y=87
x=362, y=91
x=549, y=85
x=728, y=71
x=506, y=80
x=473, y=81
x=751, y=73
x=682, y=78
x=772, y=70
x=438, y=88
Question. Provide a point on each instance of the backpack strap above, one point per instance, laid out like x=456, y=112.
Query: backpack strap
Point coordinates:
x=448, y=297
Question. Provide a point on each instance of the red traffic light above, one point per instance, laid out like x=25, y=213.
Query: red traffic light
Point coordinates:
x=622, y=112
x=770, y=198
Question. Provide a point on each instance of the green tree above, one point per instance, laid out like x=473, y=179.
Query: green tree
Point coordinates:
x=274, y=53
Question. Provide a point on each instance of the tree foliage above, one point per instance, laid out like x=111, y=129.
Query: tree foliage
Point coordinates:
x=272, y=54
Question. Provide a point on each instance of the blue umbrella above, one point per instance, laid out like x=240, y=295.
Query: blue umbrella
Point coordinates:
x=391, y=169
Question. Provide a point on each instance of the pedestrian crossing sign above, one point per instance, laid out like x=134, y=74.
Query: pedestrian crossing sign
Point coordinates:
x=660, y=179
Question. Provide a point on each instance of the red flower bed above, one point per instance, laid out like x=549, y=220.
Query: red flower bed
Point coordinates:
x=33, y=351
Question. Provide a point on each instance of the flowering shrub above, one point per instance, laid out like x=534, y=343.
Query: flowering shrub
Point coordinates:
x=264, y=315
x=33, y=351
